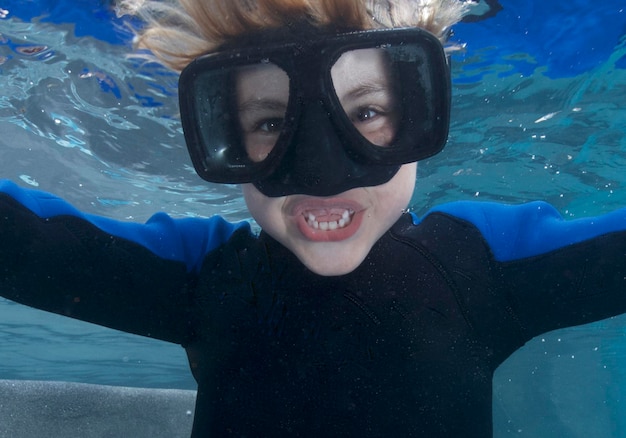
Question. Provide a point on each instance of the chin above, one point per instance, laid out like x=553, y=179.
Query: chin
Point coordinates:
x=331, y=271
x=326, y=266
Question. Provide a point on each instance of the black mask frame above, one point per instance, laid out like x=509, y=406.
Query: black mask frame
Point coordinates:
x=319, y=152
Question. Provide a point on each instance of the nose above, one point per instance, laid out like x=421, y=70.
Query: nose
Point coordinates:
x=318, y=160
x=317, y=163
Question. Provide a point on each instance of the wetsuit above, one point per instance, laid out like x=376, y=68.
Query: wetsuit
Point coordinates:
x=405, y=345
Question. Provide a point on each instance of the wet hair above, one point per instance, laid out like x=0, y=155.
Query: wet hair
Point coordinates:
x=177, y=31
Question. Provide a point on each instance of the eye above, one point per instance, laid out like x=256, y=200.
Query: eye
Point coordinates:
x=376, y=123
x=366, y=113
x=262, y=136
x=270, y=126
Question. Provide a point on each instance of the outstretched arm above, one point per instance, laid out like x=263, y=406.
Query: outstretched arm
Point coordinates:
x=554, y=272
x=133, y=277
x=568, y=286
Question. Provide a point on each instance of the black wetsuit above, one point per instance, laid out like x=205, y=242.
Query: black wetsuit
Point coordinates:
x=405, y=345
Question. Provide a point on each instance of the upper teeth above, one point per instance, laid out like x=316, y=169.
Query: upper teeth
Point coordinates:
x=346, y=217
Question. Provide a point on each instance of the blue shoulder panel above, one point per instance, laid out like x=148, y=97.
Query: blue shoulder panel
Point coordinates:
x=184, y=240
x=518, y=231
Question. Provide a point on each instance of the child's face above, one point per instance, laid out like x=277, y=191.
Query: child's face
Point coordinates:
x=332, y=235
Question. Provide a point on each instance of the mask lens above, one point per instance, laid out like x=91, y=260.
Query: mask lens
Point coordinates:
x=237, y=114
x=366, y=89
x=392, y=100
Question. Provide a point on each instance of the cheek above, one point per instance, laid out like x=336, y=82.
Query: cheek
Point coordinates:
x=265, y=211
x=256, y=202
x=398, y=191
x=252, y=198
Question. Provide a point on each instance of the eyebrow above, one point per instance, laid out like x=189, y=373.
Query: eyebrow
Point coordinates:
x=262, y=104
x=364, y=90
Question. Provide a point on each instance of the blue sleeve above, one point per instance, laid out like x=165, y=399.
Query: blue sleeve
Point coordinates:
x=519, y=231
x=182, y=240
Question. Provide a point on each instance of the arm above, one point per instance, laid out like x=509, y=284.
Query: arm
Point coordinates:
x=554, y=272
x=568, y=286
x=128, y=276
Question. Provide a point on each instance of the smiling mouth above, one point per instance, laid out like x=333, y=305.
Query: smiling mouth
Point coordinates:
x=328, y=221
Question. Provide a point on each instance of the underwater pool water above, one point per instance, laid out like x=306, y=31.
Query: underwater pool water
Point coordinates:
x=79, y=119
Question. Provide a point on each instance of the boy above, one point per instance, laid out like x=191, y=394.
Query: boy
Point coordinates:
x=345, y=316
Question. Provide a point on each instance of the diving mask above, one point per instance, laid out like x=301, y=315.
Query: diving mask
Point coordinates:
x=317, y=115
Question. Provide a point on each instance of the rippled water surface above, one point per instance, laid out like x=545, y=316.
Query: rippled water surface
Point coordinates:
x=82, y=120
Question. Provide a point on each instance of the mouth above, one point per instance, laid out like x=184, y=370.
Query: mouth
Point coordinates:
x=328, y=220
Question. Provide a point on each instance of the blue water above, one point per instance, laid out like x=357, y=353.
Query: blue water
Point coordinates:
x=539, y=113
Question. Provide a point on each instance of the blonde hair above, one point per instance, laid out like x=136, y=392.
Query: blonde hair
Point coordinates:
x=178, y=31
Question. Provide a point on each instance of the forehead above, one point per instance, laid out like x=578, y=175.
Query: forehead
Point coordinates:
x=361, y=60
x=352, y=69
